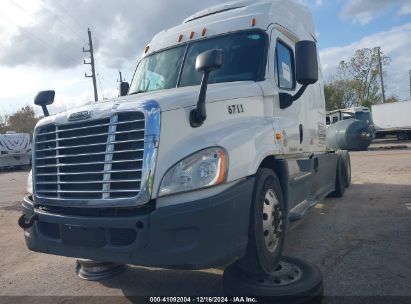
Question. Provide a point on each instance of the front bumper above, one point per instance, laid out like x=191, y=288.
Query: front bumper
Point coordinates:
x=196, y=235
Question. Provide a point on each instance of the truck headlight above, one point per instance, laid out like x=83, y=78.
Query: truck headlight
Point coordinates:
x=203, y=169
x=29, y=187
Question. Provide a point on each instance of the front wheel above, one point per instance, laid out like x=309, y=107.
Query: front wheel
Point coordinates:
x=267, y=225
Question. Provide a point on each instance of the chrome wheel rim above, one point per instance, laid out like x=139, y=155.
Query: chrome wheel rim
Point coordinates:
x=94, y=271
x=272, y=221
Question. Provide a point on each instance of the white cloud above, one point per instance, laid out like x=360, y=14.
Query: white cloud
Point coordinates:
x=21, y=84
x=395, y=43
x=310, y=2
x=405, y=10
x=364, y=11
x=41, y=45
x=58, y=29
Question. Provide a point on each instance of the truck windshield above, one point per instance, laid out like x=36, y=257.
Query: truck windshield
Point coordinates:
x=244, y=57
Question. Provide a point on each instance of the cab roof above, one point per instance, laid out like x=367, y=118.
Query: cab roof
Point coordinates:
x=292, y=18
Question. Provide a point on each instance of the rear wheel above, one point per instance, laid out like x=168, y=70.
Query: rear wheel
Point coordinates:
x=340, y=178
x=346, y=166
x=267, y=225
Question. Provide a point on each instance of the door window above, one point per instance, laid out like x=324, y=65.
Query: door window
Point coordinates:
x=284, y=66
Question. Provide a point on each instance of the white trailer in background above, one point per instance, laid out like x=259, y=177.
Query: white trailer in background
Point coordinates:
x=392, y=119
x=15, y=150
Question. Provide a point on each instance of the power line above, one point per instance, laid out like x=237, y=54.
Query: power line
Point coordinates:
x=33, y=17
x=101, y=86
x=38, y=38
x=66, y=12
x=80, y=38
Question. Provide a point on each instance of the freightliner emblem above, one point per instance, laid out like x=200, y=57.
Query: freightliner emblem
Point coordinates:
x=80, y=116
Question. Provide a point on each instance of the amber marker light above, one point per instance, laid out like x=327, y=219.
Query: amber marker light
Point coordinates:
x=221, y=165
x=278, y=136
x=180, y=38
x=146, y=49
x=203, y=32
x=253, y=22
x=191, y=35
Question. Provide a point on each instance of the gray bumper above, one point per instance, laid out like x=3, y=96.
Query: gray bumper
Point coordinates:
x=196, y=235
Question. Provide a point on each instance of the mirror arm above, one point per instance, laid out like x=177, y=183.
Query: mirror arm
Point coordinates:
x=199, y=114
x=45, y=111
x=286, y=100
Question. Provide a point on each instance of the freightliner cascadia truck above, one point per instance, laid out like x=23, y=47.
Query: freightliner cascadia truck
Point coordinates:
x=213, y=151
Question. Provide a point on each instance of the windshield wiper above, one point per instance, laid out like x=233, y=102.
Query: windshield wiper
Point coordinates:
x=138, y=92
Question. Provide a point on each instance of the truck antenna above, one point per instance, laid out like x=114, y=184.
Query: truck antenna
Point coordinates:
x=410, y=84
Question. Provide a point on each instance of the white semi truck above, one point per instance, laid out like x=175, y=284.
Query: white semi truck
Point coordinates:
x=215, y=149
x=15, y=150
x=392, y=119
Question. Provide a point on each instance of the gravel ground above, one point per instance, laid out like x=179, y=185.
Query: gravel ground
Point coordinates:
x=362, y=243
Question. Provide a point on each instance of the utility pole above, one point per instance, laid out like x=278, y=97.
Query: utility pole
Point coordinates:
x=93, y=70
x=410, y=85
x=382, y=77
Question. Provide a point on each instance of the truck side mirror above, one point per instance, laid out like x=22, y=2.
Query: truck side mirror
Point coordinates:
x=307, y=62
x=43, y=99
x=206, y=62
x=209, y=61
x=306, y=70
x=124, y=88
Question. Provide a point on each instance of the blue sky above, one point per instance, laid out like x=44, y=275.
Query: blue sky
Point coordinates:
x=41, y=42
x=336, y=29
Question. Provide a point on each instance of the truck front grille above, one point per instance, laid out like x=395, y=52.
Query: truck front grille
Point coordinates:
x=93, y=160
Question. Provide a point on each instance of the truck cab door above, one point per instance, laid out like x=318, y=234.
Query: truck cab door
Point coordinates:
x=281, y=78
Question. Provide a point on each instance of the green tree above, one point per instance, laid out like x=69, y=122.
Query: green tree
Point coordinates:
x=363, y=70
x=3, y=123
x=340, y=94
x=23, y=121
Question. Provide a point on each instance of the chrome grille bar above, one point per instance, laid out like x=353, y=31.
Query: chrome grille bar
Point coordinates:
x=90, y=145
x=92, y=163
x=99, y=153
x=88, y=136
x=89, y=173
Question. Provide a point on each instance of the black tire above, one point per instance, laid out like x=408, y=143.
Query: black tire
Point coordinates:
x=260, y=258
x=346, y=164
x=340, y=179
x=308, y=288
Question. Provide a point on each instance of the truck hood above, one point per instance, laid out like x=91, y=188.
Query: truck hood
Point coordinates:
x=167, y=99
